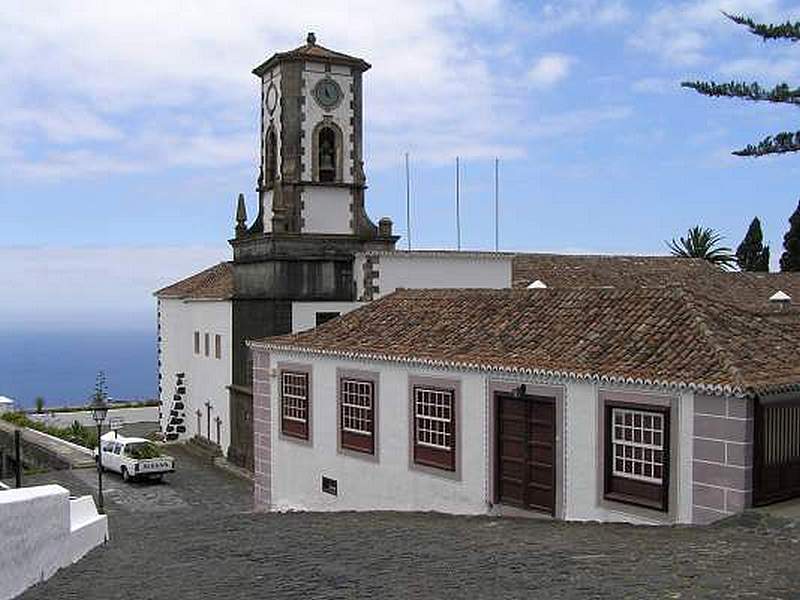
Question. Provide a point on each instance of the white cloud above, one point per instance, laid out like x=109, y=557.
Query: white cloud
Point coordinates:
x=655, y=85
x=681, y=34
x=93, y=286
x=764, y=70
x=577, y=121
x=549, y=69
x=553, y=17
x=130, y=87
x=136, y=69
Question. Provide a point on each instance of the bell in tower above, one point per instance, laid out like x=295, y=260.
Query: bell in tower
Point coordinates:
x=327, y=155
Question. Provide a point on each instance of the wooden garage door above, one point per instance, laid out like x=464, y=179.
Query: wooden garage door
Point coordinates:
x=776, y=452
x=525, y=452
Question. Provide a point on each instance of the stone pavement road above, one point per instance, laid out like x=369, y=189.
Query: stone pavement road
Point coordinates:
x=206, y=544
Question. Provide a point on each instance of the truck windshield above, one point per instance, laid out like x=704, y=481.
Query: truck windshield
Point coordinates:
x=142, y=450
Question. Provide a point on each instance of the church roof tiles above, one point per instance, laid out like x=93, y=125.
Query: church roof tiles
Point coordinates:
x=668, y=336
x=214, y=283
x=311, y=51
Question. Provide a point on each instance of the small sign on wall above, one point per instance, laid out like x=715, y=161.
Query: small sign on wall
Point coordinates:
x=329, y=486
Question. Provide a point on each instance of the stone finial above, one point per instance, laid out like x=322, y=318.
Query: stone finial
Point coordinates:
x=385, y=227
x=311, y=39
x=241, y=217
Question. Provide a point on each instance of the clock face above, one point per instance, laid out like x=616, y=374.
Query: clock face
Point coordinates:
x=327, y=93
x=272, y=98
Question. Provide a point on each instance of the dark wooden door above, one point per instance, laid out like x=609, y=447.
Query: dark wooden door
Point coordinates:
x=776, y=452
x=526, y=452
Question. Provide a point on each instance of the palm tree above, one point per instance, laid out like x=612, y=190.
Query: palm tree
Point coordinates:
x=702, y=242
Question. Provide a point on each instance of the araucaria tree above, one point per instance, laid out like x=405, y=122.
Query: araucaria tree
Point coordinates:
x=790, y=259
x=780, y=143
x=752, y=254
x=100, y=393
x=703, y=242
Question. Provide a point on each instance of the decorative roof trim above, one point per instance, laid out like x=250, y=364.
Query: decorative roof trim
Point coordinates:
x=711, y=389
x=470, y=254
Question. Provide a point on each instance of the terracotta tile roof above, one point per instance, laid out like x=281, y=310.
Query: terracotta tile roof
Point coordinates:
x=582, y=270
x=214, y=283
x=659, y=336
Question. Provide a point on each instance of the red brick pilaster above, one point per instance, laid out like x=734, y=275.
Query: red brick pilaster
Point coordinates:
x=262, y=421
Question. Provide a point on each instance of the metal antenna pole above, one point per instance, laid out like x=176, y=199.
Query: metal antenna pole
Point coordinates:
x=458, y=205
x=408, y=205
x=496, y=205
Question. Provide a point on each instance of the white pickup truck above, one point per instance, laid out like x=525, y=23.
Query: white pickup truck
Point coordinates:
x=133, y=457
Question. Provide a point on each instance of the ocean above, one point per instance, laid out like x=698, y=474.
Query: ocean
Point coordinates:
x=61, y=366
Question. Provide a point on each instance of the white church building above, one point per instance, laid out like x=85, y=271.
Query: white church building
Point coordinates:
x=581, y=386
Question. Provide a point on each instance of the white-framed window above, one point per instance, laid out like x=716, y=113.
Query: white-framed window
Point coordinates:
x=433, y=418
x=197, y=342
x=294, y=403
x=357, y=414
x=217, y=346
x=357, y=398
x=207, y=343
x=637, y=439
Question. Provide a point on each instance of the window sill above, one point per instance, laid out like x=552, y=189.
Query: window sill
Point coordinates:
x=635, y=501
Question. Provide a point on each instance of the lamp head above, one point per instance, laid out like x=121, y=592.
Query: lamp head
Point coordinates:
x=99, y=410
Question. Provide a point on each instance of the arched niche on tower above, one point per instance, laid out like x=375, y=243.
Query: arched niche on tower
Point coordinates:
x=270, y=157
x=326, y=152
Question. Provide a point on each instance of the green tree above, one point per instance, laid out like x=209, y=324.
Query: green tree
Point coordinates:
x=39, y=404
x=790, y=260
x=752, y=254
x=780, y=143
x=703, y=242
x=100, y=393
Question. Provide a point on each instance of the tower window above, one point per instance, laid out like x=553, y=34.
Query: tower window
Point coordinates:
x=327, y=154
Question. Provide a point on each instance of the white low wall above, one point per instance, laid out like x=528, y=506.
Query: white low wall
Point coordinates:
x=41, y=531
x=143, y=414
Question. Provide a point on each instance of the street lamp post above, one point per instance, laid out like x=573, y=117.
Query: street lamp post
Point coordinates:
x=99, y=412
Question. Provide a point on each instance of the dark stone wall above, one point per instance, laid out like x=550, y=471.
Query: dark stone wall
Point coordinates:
x=33, y=456
x=254, y=319
x=295, y=280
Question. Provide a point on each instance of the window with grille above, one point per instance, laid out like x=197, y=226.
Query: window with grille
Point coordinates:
x=637, y=455
x=357, y=414
x=434, y=427
x=294, y=404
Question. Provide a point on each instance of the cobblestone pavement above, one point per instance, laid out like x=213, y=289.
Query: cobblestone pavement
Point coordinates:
x=210, y=546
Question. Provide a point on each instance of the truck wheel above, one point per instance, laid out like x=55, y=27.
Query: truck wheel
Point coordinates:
x=159, y=478
x=125, y=476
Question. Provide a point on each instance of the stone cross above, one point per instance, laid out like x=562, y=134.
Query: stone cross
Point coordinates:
x=208, y=419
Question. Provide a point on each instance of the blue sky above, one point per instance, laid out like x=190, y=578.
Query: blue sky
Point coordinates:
x=128, y=129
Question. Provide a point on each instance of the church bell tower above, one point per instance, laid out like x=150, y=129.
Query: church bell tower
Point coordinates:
x=311, y=218
x=311, y=176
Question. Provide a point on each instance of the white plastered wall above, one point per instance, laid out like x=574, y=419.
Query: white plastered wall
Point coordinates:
x=327, y=209
x=41, y=531
x=207, y=377
x=446, y=270
x=390, y=482
x=314, y=114
x=584, y=472
x=304, y=314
